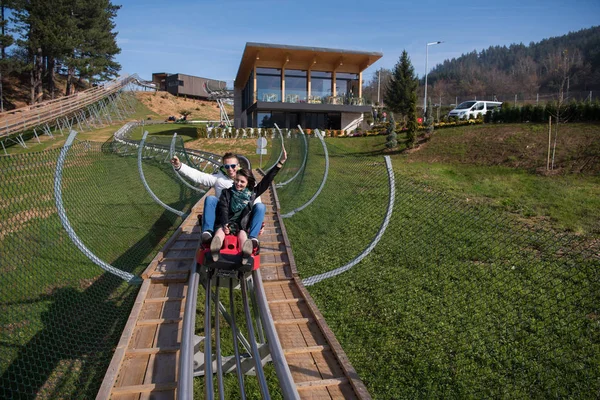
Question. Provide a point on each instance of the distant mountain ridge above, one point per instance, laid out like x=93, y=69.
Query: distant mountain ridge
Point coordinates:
x=535, y=68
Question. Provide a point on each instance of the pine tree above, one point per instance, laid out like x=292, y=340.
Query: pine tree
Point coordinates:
x=74, y=34
x=429, y=118
x=6, y=40
x=391, y=131
x=401, y=91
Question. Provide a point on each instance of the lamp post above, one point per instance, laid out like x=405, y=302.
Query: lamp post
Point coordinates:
x=426, y=68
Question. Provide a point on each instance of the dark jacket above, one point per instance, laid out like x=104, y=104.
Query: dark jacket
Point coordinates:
x=223, y=211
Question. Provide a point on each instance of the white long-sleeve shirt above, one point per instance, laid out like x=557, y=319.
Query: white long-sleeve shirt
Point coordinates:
x=218, y=180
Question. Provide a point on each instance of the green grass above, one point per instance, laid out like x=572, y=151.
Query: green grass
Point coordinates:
x=61, y=314
x=464, y=297
x=485, y=283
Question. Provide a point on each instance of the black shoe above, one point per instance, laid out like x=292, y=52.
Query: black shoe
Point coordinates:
x=255, y=246
x=215, y=247
x=206, y=237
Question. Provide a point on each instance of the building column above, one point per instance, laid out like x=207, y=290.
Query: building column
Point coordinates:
x=360, y=84
x=254, y=88
x=283, y=84
x=334, y=89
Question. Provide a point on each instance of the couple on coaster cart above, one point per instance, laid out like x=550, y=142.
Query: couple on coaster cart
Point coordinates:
x=236, y=208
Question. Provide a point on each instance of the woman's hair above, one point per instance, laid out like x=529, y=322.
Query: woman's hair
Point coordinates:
x=248, y=175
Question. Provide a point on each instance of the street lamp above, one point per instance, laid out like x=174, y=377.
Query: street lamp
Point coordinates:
x=426, y=68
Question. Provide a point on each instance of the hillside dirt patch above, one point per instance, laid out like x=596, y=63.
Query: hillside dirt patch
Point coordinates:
x=165, y=105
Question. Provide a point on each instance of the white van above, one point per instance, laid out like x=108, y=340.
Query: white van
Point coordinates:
x=473, y=107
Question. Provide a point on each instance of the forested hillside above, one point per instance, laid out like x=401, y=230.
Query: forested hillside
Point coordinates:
x=41, y=40
x=571, y=61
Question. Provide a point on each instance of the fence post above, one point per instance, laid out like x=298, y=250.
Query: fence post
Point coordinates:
x=549, y=141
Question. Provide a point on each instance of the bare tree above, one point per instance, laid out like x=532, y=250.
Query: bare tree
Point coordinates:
x=561, y=67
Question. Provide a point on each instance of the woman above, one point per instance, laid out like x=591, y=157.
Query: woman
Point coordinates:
x=234, y=207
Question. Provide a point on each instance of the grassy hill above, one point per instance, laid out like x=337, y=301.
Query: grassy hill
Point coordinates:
x=504, y=166
x=165, y=104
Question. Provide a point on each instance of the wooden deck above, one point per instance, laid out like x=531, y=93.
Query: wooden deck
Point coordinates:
x=145, y=363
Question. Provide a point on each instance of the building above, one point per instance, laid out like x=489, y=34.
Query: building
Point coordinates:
x=293, y=85
x=186, y=85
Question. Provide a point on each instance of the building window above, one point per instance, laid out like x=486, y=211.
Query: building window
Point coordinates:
x=180, y=83
x=268, y=84
x=296, y=84
x=346, y=84
x=264, y=120
x=320, y=86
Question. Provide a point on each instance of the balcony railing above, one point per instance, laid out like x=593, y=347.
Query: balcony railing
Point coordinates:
x=294, y=98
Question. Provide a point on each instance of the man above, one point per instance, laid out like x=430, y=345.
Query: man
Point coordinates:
x=223, y=179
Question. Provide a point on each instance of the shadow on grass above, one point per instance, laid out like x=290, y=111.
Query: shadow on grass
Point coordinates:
x=69, y=355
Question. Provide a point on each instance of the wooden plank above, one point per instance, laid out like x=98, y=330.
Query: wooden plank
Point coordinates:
x=308, y=349
x=321, y=383
x=293, y=321
x=286, y=301
x=175, y=277
x=132, y=371
x=115, y=364
x=159, y=321
x=163, y=299
x=143, y=337
x=152, y=350
x=162, y=395
x=186, y=258
x=320, y=324
x=145, y=388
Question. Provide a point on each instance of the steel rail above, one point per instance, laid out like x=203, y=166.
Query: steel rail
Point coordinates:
x=208, y=374
x=236, y=349
x=220, y=385
x=302, y=207
x=282, y=184
x=145, y=183
x=185, y=387
x=171, y=154
x=260, y=373
x=64, y=220
x=282, y=370
x=390, y=209
x=280, y=152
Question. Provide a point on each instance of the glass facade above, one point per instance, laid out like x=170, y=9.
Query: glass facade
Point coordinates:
x=248, y=92
x=346, y=84
x=263, y=120
x=268, y=84
x=296, y=85
x=320, y=86
x=291, y=119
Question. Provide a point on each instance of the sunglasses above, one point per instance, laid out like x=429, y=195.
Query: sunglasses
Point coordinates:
x=229, y=166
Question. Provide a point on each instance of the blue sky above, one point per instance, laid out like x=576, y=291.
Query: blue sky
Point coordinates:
x=207, y=38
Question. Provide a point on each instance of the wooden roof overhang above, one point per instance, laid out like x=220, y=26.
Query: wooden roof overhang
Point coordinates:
x=303, y=58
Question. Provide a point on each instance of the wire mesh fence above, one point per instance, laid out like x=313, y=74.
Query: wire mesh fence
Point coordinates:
x=61, y=315
x=458, y=299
